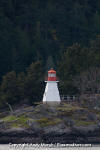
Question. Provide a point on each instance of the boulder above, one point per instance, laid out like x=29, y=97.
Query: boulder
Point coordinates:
x=91, y=116
x=58, y=129
x=69, y=122
x=33, y=125
x=85, y=130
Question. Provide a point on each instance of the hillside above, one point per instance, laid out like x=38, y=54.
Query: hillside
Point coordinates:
x=38, y=35
x=33, y=30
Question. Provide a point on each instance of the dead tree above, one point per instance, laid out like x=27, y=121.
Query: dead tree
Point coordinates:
x=88, y=82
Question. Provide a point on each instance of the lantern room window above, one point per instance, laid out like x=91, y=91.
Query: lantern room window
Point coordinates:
x=51, y=75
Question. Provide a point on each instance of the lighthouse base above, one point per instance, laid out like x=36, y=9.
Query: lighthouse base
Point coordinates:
x=51, y=94
x=53, y=103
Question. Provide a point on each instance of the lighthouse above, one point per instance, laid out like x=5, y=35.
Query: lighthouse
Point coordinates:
x=51, y=93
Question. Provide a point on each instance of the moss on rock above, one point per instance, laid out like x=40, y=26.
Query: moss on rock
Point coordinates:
x=47, y=121
x=83, y=123
x=14, y=121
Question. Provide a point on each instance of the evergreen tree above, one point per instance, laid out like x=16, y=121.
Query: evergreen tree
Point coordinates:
x=34, y=82
x=9, y=90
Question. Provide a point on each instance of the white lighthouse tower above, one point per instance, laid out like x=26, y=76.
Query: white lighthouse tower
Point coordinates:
x=51, y=93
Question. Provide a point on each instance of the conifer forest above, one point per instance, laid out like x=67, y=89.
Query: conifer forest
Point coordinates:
x=36, y=35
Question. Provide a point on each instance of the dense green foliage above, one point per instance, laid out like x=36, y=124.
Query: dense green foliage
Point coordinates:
x=24, y=87
x=77, y=60
x=34, y=29
x=60, y=34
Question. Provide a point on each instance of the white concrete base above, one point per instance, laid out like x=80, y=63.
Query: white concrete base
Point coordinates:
x=51, y=93
x=53, y=103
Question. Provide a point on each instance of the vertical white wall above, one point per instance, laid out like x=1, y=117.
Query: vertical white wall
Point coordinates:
x=51, y=92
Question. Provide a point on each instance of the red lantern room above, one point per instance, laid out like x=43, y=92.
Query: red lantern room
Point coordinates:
x=51, y=75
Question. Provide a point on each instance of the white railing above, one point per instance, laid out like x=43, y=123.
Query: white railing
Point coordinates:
x=68, y=98
x=77, y=98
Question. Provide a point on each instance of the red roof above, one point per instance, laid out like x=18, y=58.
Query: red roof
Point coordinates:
x=51, y=71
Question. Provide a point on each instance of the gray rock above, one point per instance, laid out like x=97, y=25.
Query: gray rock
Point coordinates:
x=59, y=129
x=91, y=116
x=69, y=122
x=81, y=111
x=85, y=129
x=12, y=131
x=33, y=125
x=3, y=114
x=1, y=121
x=22, y=111
x=99, y=124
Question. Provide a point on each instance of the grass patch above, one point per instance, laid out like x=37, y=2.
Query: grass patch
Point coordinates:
x=47, y=122
x=81, y=117
x=66, y=111
x=15, y=125
x=84, y=123
x=64, y=108
x=68, y=108
x=65, y=114
x=98, y=114
x=20, y=121
x=9, y=118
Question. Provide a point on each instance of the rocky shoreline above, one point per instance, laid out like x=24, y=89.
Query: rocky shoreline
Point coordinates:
x=74, y=136
x=57, y=124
